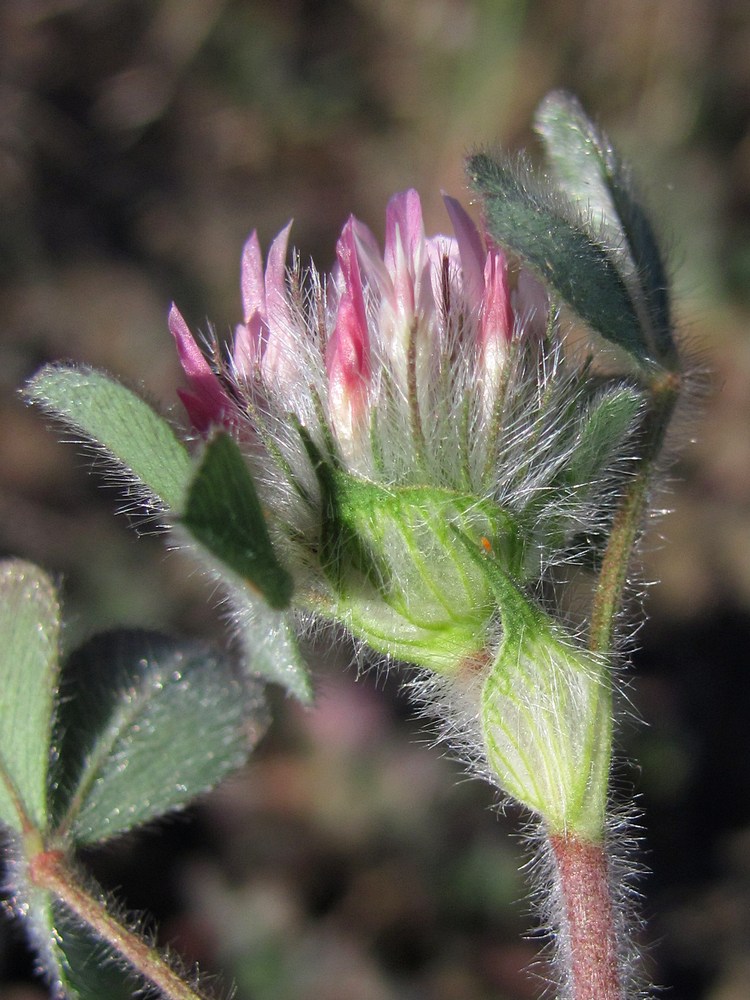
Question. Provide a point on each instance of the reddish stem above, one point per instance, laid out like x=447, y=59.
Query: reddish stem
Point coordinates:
x=588, y=937
x=49, y=870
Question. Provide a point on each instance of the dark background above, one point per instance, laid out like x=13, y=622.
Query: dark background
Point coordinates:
x=139, y=144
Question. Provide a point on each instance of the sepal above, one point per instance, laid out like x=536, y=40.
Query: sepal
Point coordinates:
x=399, y=578
x=225, y=524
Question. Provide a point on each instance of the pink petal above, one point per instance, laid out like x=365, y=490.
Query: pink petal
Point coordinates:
x=348, y=349
x=348, y=368
x=371, y=262
x=201, y=415
x=405, y=256
x=347, y=353
x=279, y=350
x=252, y=283
x=365, y=239
x=495, y=325
x=248, y=344
x=470, y=248
x=440, y=249
x=207, y=403
x=497, y=315
x=403, y=216
x=191, y=357
x=346, y=254
x=275, y=278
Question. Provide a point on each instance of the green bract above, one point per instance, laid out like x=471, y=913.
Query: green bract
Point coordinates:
x=546, y=721
x=399, y=576
x=223, y=514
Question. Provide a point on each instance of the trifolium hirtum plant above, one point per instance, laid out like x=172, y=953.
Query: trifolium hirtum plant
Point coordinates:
x=409, y=450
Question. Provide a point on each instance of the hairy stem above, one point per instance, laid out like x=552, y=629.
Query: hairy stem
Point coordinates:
x=587, y=936
x=627, y=523
x=588, y=933
x=50, y=870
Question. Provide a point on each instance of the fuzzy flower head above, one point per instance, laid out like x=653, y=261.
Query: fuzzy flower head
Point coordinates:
x=372, y=407
x=421, y=448
x=409, y=400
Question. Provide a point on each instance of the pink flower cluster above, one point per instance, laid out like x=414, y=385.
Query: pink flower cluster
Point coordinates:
x=379, y=320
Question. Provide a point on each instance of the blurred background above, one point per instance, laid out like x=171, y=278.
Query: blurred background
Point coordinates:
x=140, y=142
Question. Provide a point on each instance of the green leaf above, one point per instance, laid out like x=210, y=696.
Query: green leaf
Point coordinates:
x=545, y=714
x=223, y=513
x=129, y=430
x=75, y=960
x=146, y=724
x=581, y=161
x=587, y=167
x=29, y=633
x=270, y=644
x=534, y=223
x=610, y=420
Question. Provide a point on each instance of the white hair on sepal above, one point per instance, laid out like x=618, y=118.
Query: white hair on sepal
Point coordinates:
x=537, y=447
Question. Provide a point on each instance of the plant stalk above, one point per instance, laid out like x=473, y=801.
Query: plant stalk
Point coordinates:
x=50, y=870
x=588, y=932
x=610, y=587
x=587, y=937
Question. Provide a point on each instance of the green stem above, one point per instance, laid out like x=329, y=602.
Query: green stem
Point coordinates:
x=610, y=588
x=50, y=870
x=588, y=937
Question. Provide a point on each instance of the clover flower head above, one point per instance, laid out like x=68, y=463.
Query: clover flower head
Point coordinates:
x=378, y=329
x=422, y=450
x=405, y=399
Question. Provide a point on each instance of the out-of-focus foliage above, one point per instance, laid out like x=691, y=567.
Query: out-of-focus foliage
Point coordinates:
x=140, y=141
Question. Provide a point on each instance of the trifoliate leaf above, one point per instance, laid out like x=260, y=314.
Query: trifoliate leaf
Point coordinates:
x=146, y=724
x=579, y=156
x=587, y=167
x=129, y=430
x=533, y=221
x=223, y=513
x=76, y=961
x=29, y=632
